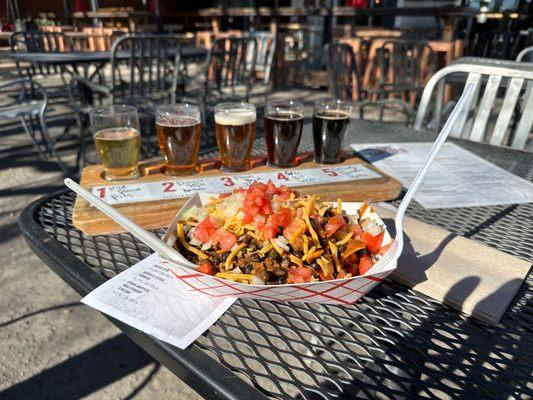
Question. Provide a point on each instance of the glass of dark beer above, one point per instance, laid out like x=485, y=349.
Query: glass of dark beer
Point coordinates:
x=235, y=130
x=117, y=138
x=283, y=129
x=330, y=123
x=178, y=128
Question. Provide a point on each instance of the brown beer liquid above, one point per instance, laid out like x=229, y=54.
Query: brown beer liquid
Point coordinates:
x=283, y=131
x=119, y=149
x=235, y=135
x=329, y=130
x=179, y=141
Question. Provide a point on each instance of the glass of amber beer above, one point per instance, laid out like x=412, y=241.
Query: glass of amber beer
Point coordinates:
x=330, y=123
x=178, y=129
x=283, y=129
x=117, y=138
x=235, y=131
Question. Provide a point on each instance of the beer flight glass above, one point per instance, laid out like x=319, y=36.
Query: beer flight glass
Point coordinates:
x=117, y=138
x=179, y=128
x=235, y=125
x=283, y=129
x=330, y=123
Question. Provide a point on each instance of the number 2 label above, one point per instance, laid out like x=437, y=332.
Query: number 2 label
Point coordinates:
x=168, y=187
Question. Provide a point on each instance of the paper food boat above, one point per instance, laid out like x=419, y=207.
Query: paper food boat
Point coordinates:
x=339, y=291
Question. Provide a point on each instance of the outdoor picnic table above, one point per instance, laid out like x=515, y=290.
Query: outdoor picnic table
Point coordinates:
x=393, y=343
x=84, y=57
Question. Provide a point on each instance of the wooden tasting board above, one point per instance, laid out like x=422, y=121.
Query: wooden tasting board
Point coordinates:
x=159, y=214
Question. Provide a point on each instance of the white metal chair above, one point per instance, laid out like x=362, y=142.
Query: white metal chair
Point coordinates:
x=512, y=125
x=525, y=54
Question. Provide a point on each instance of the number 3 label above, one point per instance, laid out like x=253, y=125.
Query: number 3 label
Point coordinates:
x=227, y=181
x=329, y=172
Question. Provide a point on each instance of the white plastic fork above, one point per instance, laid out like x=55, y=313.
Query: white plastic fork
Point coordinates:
x=397, y=246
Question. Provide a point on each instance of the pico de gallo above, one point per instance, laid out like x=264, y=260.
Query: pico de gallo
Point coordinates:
x=269, y=235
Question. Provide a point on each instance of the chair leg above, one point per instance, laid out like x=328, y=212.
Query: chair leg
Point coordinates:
x=50, y=145
x=31, y=133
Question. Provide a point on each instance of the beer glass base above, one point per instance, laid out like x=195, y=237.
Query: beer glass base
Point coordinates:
x=111, y=177
x=235, y=169
x=173, y=171
x=339, y=160
x=291, y=165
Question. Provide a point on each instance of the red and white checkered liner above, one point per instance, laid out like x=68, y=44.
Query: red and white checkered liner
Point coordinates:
x=339, y=291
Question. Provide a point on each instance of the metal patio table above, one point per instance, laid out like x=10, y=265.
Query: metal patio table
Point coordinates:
x=87, y=57
x=394, y=343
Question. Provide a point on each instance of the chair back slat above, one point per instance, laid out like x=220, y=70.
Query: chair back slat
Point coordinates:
x=466, y=112
x=230, y=65
x=526, y=121
x=503, y=114
x=485, y=108
x=343, y=77
x=143, y=69
x=514, y=88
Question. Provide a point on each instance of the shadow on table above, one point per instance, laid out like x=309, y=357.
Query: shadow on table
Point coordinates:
x=86, y=372
x=446, y=354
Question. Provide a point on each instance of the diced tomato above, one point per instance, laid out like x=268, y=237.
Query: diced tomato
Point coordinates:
x=266, y=209
x=365, y=264
x=260, y=201
x=206, y=268
x=334, y=223
x=357, y=232
x=282, y=217
x=224, y=195
x=341, y=274
x=353, y=262
x=299, y=275
x=373, y=243
x=293, y=227
x=323, y=277
x=247, y=218
x=226, y=239
x=269, y=230
x=383, y=249
x=271, y=188
x=205, y=229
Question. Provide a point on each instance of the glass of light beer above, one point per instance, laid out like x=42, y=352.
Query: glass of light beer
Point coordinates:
x=235, y=130
x=178, y=129
x=283, y=129
x=117, y=137
x=330, y=123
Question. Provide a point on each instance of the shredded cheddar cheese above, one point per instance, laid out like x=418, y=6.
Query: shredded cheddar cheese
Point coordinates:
x=232, y=255
x=345, y=239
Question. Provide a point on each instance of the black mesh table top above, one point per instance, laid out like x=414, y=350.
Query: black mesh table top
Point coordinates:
x=394, y=343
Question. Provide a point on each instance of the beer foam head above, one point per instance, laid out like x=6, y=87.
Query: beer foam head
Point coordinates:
x=235, y=117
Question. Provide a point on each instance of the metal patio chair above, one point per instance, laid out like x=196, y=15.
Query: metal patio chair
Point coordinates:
x=491, y=117
x=525, y=55
x=229, y=69
x=27, y=101
x=266, y=48
x=403, y=67
x=344, y=81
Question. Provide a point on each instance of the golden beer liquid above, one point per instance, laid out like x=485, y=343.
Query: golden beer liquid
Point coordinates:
x=179, y=141
x=119, y=149
x=235, y=132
